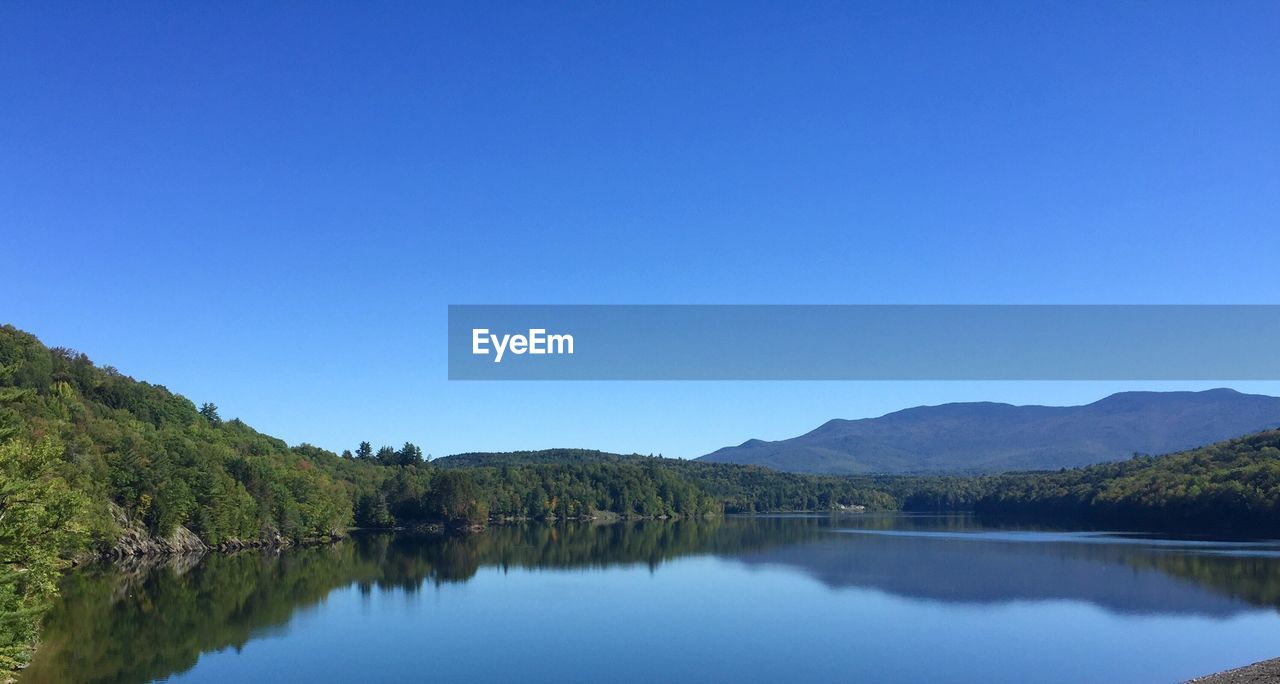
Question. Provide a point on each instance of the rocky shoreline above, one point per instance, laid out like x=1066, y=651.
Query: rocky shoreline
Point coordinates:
x=135, y=542
x=1265, y=672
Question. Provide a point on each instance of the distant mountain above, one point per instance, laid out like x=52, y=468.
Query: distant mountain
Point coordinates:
x=983, y=437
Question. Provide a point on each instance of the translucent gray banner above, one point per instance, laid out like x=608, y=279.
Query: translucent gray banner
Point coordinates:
x=864, y=342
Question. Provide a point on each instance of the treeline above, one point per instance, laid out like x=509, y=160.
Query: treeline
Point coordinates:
x=1231, y=487
x=409, y=454
x=757, y=489
x=733, y=488
x=417, y=492
x=560, y=484
x=142, y=455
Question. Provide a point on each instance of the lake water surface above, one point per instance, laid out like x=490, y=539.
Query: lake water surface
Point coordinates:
x=742, y=599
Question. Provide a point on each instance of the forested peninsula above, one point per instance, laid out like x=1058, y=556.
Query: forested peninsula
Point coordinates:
x=95, y=463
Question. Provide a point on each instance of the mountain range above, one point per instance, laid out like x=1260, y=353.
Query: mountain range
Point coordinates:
x=985, y=437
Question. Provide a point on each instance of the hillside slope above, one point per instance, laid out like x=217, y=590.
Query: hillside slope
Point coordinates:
x=144, y=455
x=986, y=437
x=1223, y=488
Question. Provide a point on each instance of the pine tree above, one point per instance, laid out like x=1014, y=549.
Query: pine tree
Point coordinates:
x=210, y=412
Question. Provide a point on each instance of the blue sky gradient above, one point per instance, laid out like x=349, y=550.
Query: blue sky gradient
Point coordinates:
x=269, y=206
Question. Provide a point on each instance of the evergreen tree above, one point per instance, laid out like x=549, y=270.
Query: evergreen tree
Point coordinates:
x=210, y=412
x=410, y=454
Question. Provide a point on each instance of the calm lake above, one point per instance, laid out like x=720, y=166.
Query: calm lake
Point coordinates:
x=746, y=599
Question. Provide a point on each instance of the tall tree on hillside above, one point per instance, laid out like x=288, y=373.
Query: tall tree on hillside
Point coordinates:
x=364, y=452
x=387, y=456
x=210, y=412
x=410, y=454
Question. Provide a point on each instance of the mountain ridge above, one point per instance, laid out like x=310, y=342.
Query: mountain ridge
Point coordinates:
x=987, y=437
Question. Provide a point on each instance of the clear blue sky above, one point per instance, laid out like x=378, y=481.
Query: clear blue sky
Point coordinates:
x=269, y=205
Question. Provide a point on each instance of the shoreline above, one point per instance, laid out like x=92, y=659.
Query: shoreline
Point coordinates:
x=136, y=543
x=1262, y=672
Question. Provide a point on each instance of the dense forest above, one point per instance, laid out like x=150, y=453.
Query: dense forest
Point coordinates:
x=1231, y=487
x=134, y=453
x=89, y=455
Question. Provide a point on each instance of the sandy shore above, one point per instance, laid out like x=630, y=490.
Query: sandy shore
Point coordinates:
x=1267, y=671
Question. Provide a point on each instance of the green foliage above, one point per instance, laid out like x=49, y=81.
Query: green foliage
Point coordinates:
x=39, y=525
x=409, y=454
x=1228, y=487
x=372, y=511
x=456, y=497
x=639, y=485
x=157, y=458
x=424, y=493
x=210, y=413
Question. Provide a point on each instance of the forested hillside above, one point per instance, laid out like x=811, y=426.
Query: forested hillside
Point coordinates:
x=1228, y=487
x=86, y=452
x=158, y=458
x=736, y=488
x=134, y=453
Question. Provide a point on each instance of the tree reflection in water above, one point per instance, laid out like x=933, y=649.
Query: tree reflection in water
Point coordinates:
x=138, y=622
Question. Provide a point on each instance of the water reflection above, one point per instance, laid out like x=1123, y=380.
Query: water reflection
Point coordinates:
x=138, y=623
x=1122, y=575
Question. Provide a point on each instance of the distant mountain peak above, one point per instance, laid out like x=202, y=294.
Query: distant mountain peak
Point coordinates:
x=982, y=436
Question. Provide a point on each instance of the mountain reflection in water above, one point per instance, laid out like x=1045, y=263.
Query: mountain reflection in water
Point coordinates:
x=132, y=623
